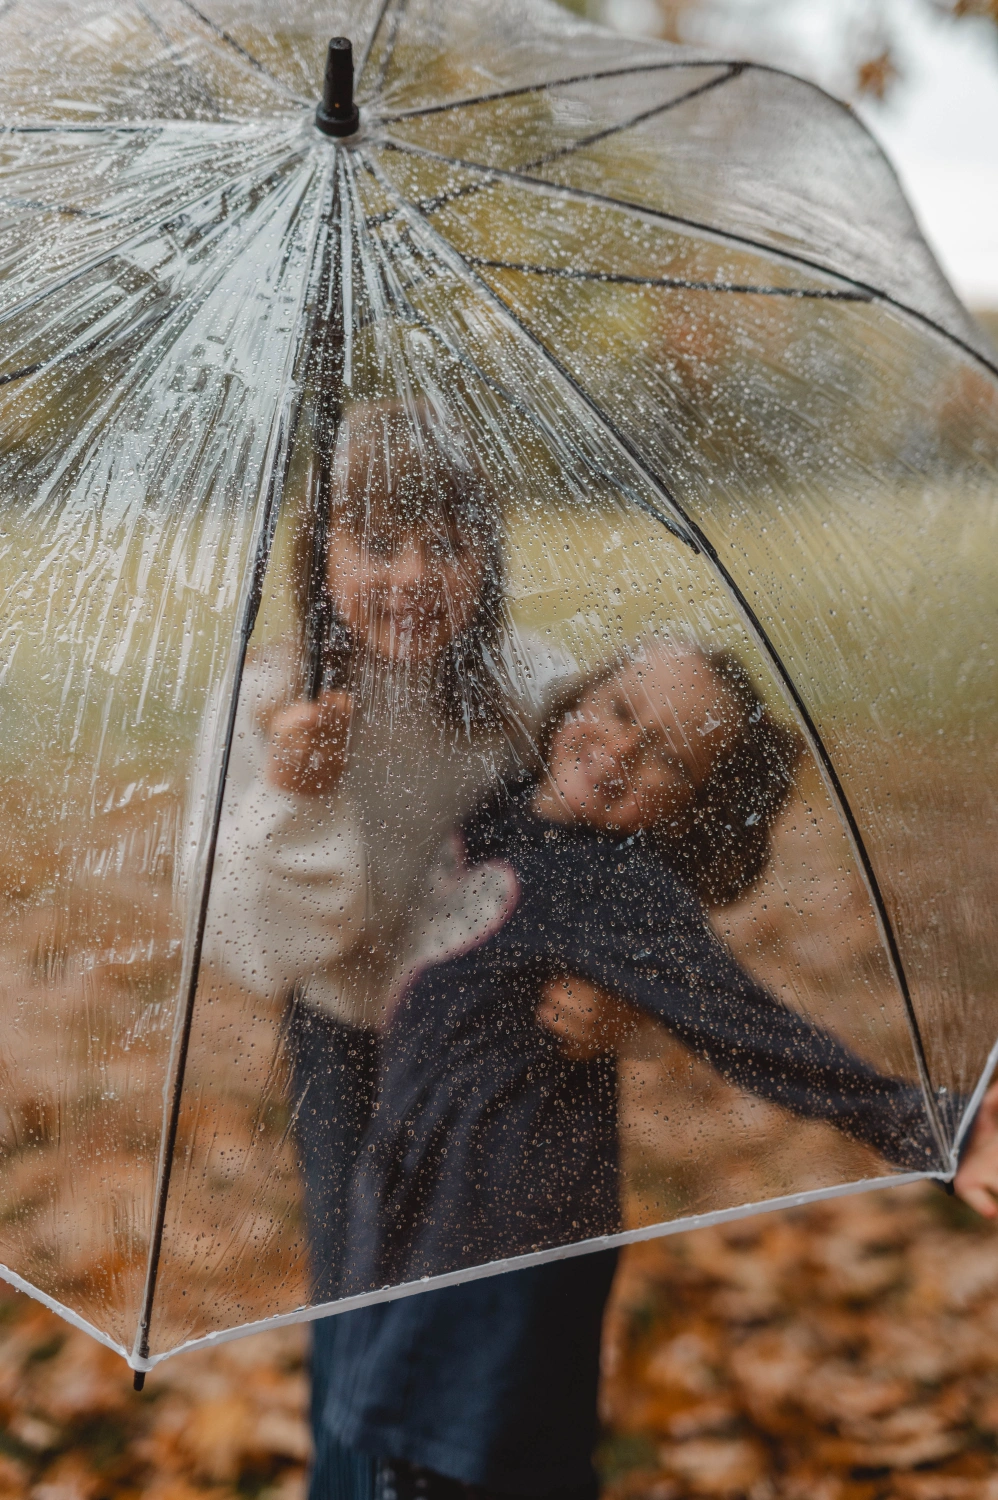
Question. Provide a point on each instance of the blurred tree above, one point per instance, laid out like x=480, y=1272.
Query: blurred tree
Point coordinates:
x=862, y=41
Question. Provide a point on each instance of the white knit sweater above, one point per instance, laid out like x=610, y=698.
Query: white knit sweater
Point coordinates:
x=339, y=892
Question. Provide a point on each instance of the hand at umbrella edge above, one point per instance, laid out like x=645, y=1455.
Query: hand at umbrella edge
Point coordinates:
x=976, y=1180
x=308, y=745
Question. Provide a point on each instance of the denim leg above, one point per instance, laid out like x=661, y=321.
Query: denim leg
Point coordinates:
x=492, y=1383
x=340, y=1473
x=333, y=1069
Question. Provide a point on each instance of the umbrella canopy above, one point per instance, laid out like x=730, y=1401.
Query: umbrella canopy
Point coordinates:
x=653, y=337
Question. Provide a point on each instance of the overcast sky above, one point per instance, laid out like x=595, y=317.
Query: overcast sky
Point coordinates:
x=941, y=129
x=940, y=124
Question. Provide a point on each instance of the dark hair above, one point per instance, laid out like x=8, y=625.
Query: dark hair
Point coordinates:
x=726, y=846
x=420, y=458
x=722, y=844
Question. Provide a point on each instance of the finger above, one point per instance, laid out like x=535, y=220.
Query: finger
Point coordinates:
x=978, y=1198
x=292, y=720
x=564, y=1023
x=573, y=1040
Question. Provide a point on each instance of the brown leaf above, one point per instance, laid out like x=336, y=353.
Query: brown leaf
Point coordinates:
x=70, y=1478
x=220, y=1436
x=716, y=1466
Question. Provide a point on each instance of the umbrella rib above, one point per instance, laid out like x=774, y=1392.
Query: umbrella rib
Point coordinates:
x=589, y=140
x=369, y=44
x=230, y=40
x=34, y=298
x=587, y=195
x=733, y=70
x=164, y=40
x=680, y=283
x=542, y=184
x=531, y=417
x=812, y=734
x=517, y=405
x=70, y=129
x=51, y=208
x=638, y=119
x=276, y=471
x=385, y=63
x=421, y=112
x=145, y=325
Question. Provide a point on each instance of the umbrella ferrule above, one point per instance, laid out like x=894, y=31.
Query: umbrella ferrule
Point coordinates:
x=337, y=114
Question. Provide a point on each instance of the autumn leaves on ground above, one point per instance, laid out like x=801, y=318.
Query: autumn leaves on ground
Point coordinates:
x=848, y=1351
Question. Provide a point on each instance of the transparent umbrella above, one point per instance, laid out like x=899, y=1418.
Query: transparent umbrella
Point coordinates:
x=370, y=472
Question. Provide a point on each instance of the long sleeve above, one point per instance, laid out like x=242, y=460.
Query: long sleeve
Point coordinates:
x=288, y=891
x=682, y=975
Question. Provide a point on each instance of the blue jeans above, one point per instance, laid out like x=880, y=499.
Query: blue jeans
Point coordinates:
x=492, y=1383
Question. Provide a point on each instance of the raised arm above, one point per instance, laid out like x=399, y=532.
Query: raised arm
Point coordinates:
x=288, y=897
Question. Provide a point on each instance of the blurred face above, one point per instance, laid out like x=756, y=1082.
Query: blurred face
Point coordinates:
x=404, y=591
x=639, y=747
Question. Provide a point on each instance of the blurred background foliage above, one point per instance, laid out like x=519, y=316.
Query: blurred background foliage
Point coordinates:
x=921, y=74
x=864, y=41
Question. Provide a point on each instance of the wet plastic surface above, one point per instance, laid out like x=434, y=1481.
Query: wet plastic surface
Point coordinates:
x=581, y=353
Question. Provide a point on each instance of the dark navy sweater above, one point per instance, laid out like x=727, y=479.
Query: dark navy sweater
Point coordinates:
x=487, y=1142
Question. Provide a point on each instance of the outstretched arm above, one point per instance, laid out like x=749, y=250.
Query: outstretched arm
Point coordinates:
x=674, y=969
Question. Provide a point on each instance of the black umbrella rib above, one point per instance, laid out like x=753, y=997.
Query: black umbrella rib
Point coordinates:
x=69, y=129
x=605, y=200
x=230, y=41
x=680, y=283
x=558, y=83
x=164, y=40
x=507, y=395
x=145, y=325
x=397, y=9
x=638, y=119
x=733, y=69
x=756, y=67
x=37, y=206
x=417, y=320
x=277, y=469
x=379, y=21
x=490, y=175
x=758, y=630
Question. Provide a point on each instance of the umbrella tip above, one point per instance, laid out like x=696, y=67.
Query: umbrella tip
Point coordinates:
x=337, y=114
x=138, y=1380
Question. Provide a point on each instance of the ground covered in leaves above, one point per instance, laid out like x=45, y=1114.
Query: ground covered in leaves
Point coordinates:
x=848, y=1351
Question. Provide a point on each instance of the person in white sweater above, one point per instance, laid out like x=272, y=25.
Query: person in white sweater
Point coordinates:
x=358, y=748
